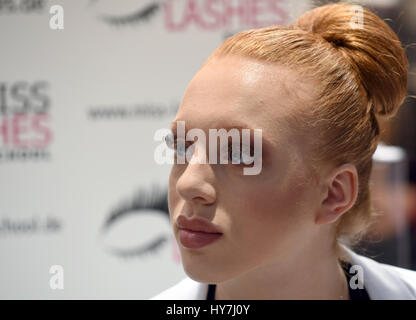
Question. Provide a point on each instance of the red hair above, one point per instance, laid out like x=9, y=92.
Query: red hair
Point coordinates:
x=360, y=75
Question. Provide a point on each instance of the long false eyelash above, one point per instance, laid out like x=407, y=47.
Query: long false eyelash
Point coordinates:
x=171, y=142
x=153, y=247
x=142, y=15
x=154, y=199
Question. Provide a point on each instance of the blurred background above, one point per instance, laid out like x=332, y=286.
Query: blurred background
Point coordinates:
x=83, y=88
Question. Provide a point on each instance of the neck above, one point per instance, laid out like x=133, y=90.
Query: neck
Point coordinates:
x=312, y=273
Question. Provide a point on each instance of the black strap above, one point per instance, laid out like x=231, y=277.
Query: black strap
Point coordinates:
x=355, y=294
x=211, y=292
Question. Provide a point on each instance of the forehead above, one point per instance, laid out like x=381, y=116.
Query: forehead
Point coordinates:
x=239, y=89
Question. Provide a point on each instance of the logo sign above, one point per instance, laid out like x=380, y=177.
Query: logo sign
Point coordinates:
x=25, y=131
x=181, y=15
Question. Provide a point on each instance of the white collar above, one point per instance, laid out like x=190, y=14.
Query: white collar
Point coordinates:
x=381, y=281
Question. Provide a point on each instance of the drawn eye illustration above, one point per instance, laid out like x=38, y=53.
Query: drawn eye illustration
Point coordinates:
x=143, y=13
x=129, y=229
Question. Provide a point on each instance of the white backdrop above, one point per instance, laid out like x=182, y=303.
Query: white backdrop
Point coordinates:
x=78, y=110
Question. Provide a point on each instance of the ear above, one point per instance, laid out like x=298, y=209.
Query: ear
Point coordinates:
x=340, y=193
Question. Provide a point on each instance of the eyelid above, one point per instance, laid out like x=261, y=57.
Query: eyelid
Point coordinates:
x=229, y=147
x=175, y=142
x=241, y=149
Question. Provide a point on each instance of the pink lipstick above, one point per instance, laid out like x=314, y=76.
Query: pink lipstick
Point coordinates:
x=196, y=233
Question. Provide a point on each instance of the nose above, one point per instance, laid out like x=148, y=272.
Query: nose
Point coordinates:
x=195, y=183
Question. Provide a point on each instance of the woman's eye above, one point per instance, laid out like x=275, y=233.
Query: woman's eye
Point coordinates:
x=238, y=156
x=169, y=140
x=172, y=143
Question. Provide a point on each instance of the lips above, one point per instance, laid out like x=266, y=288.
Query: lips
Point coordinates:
x=196, y=233
x=196, y=224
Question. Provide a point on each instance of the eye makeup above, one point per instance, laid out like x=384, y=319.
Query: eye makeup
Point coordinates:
x=172, y=142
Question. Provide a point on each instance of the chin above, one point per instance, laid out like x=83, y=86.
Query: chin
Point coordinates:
x=205, y=273
x=203, y=278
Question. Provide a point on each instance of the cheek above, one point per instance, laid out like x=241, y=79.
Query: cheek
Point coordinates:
x=173, y=196
x=272, y=212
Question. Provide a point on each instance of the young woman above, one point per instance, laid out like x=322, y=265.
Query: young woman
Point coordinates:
x=317, y=90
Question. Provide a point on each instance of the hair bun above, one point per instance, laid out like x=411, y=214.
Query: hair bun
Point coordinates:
x=372, y=48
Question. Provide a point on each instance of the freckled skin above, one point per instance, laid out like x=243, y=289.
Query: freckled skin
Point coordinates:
x=267, y=219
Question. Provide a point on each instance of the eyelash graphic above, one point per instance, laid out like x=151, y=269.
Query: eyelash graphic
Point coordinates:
x=155, y=200
x=152, y=247
x=144, y=14
x=171, y=142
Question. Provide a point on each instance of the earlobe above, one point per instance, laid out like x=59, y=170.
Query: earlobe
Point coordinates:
x=341, y=194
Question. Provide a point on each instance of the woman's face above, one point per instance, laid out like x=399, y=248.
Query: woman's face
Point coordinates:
x=266, y=217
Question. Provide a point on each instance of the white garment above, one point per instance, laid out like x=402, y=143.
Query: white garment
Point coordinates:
x=382, y=282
